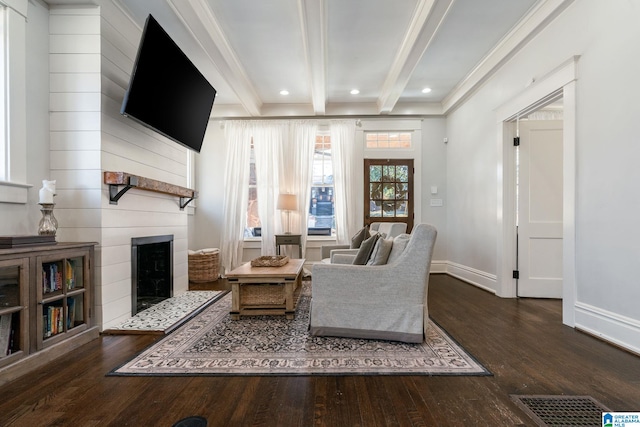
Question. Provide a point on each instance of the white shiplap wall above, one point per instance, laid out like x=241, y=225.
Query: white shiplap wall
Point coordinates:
x=92, y=53
x=74, y=126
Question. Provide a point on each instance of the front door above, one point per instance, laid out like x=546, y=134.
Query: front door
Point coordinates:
x=540, y=209
x=388, y=192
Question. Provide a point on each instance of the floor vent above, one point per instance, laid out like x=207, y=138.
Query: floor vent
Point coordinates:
x=555, y=411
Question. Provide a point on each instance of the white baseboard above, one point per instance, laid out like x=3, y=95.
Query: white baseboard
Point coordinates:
x=438, y=267
x=614, y=328
x=478, y=278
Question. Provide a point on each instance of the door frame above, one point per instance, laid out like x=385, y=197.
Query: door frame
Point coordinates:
x=559, y=82
x=415, y=152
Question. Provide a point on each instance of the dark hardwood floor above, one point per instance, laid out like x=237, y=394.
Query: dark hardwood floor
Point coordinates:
x=522, y=342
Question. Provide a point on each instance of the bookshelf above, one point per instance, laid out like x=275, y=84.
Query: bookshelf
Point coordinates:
x=46, y=304
x=14, y=301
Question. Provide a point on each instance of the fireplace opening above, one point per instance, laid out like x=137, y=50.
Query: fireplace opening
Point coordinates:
x=151, y=271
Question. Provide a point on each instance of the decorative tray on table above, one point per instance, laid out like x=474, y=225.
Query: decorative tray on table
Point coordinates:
x=270, y=261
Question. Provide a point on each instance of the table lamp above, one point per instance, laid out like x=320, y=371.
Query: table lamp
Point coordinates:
x=288, y=203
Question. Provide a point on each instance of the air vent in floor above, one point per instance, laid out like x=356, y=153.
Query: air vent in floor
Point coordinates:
x=555, y=411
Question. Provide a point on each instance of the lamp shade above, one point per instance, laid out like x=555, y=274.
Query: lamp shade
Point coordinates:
x=287, y=202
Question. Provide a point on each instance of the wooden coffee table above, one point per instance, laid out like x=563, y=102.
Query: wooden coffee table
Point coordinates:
x=265, y=290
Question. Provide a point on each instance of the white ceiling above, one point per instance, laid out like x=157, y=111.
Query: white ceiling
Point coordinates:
x=319, y=50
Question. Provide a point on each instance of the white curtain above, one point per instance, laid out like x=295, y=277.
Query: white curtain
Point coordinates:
x=284, y=164
x=236, y=194
x=344, y=181
x=296, y=174
x=268, y=144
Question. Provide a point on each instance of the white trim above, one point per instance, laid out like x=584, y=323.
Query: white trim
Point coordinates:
x=481, y=279
x=609, y=326
x=562, y=78
x=562, y=75
x=201, y=22
x=13, y=192
x=543, y=13
x=313, y=20
x=427, y=18
x=19, y=6
x=569, y=185
x=438, y=267
x=413, y=126
x=14, y=83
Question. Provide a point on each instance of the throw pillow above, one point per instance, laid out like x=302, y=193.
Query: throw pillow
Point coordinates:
x=359, y=237
x=365, y=250
x=399, y=243
x=380, y=252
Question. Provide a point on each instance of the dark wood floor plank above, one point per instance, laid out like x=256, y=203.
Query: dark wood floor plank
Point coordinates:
x=364, y=402
x=292, y=411
x=256, y=402
x=521, y=341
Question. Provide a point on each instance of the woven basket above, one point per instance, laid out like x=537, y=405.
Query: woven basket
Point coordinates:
x=262, y=295
x=204, y=267
x=270, y=261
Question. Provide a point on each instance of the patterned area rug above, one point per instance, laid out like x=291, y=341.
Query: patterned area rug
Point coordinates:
x=168, y=314
x=213, y=344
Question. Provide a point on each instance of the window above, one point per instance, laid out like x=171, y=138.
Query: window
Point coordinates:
x=13, y=112
x=388, y=140
x=321, y=205
x=3, y=101
x=253, y=218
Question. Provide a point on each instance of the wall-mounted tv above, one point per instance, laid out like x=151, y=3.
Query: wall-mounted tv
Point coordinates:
x=166, y=91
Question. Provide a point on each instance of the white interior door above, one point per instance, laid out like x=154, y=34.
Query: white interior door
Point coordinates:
x=540, y=209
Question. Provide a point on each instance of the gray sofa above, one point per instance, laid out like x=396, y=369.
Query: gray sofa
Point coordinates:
x=376, y=302
x=343, y=254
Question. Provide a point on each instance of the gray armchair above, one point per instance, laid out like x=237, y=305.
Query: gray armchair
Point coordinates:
x=343, y=254
x=376, y=302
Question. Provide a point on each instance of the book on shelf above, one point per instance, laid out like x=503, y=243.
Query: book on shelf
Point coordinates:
x=5, y=335
x=52, y=321
x=71, y=312
x=51, y=278
x=70, y=273
x=45, y=281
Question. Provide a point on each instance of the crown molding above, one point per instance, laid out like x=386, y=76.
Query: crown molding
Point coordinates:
x=541, y=15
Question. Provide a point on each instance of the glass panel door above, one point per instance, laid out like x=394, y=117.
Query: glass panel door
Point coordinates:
x=389, y=191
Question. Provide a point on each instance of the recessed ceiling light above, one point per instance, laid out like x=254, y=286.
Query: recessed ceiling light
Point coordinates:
x=354, y=91
x=426, y=90
x=284, y=92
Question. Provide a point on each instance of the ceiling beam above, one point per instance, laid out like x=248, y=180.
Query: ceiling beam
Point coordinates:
x=198, y=18
x=313, y=21
x=424, y=25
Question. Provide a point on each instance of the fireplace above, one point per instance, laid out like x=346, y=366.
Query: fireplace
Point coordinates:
x=151, y=271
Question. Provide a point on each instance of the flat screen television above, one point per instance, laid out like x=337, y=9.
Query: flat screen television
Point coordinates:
x=166, y=91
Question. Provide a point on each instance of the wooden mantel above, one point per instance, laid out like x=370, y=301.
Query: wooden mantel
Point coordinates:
x=114, y=179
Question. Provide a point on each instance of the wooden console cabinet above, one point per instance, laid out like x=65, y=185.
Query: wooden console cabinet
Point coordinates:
x=46, y=304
